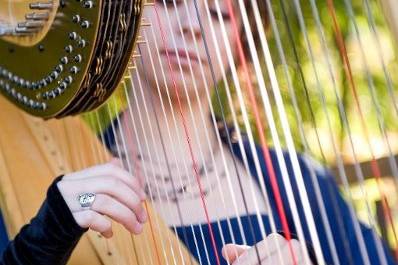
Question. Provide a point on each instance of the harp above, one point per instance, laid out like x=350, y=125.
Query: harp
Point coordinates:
x=273, y=67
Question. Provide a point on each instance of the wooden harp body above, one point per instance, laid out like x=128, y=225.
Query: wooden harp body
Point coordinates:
x=44, y=151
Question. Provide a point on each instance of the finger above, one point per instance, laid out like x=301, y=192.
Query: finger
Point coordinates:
x=266, y=248
x=94, y=221
x=285, y=255
x=109, y=170
x=110, y=207
x=117, y=162
x=231, y=252
x=102, y=185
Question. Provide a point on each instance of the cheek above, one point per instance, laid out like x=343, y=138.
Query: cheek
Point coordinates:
x=231, y=41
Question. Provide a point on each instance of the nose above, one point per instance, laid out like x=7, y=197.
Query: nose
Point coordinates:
x=189, y=19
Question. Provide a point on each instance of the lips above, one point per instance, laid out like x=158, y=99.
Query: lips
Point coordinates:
x=182, y=54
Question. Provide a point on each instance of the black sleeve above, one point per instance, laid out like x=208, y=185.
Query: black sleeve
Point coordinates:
x=49, y=238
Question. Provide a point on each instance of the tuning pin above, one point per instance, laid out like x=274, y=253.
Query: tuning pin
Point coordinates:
x=41, y=6
x=24, y=30
x=145, y=22
x=31, y=24
x=135, y=55
x=37, y=16
x=132, y=65
x=140, y=40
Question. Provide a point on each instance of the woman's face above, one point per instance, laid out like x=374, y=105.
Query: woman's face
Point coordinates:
x=178, y=19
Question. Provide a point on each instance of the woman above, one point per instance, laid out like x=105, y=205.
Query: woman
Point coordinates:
x=153, y=142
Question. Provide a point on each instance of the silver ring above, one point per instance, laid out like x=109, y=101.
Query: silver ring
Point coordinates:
x=86, y=200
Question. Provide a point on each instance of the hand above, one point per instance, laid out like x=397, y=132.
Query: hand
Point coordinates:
x=118, y=196
x=268, y=250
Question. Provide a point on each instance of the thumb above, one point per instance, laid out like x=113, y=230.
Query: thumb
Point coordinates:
x=231, y=252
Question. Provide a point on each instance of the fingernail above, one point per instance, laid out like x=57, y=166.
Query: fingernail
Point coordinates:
x=143, y=217
x=142, y=195
x=242, y=259
x=138, y=228
x=116, y=161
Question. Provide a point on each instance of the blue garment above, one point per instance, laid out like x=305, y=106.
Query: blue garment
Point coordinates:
x=337, y=211
x=341, y=221
x=3, y=235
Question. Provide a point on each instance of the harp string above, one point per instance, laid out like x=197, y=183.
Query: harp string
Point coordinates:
x=339, y=160
x=165, y=155
x=280, y=105
x=129, y=169
x=189, y=144
x=273, y=131
x=214, y=122
x=209, y=146
x=229, y=94
x=146, y=174
x=315, y=126
x=299, y=120
x=235, y=123
x=151, y=223
x=224, y=123
x=215, y=127
x=379, y=244
x=95, y=148
x=323, y=42
x=391, y=159
x=314, y=180
x=151, y=104
x=340, y=164
x=179, y=142
x=203, y=120
x=360, y=175
x=171, y=139
x=139, y=172
x=241, y=102
x=128, y=161
x=236, y=126
x=168, y=129
x=372, y=26
x=374, y=165
x=151, y=159
x=376, y=103
x=103, y=154
x=234, y=117
x=133, y=158
x=131, y=154
x=107, y=107
x=144, y=71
